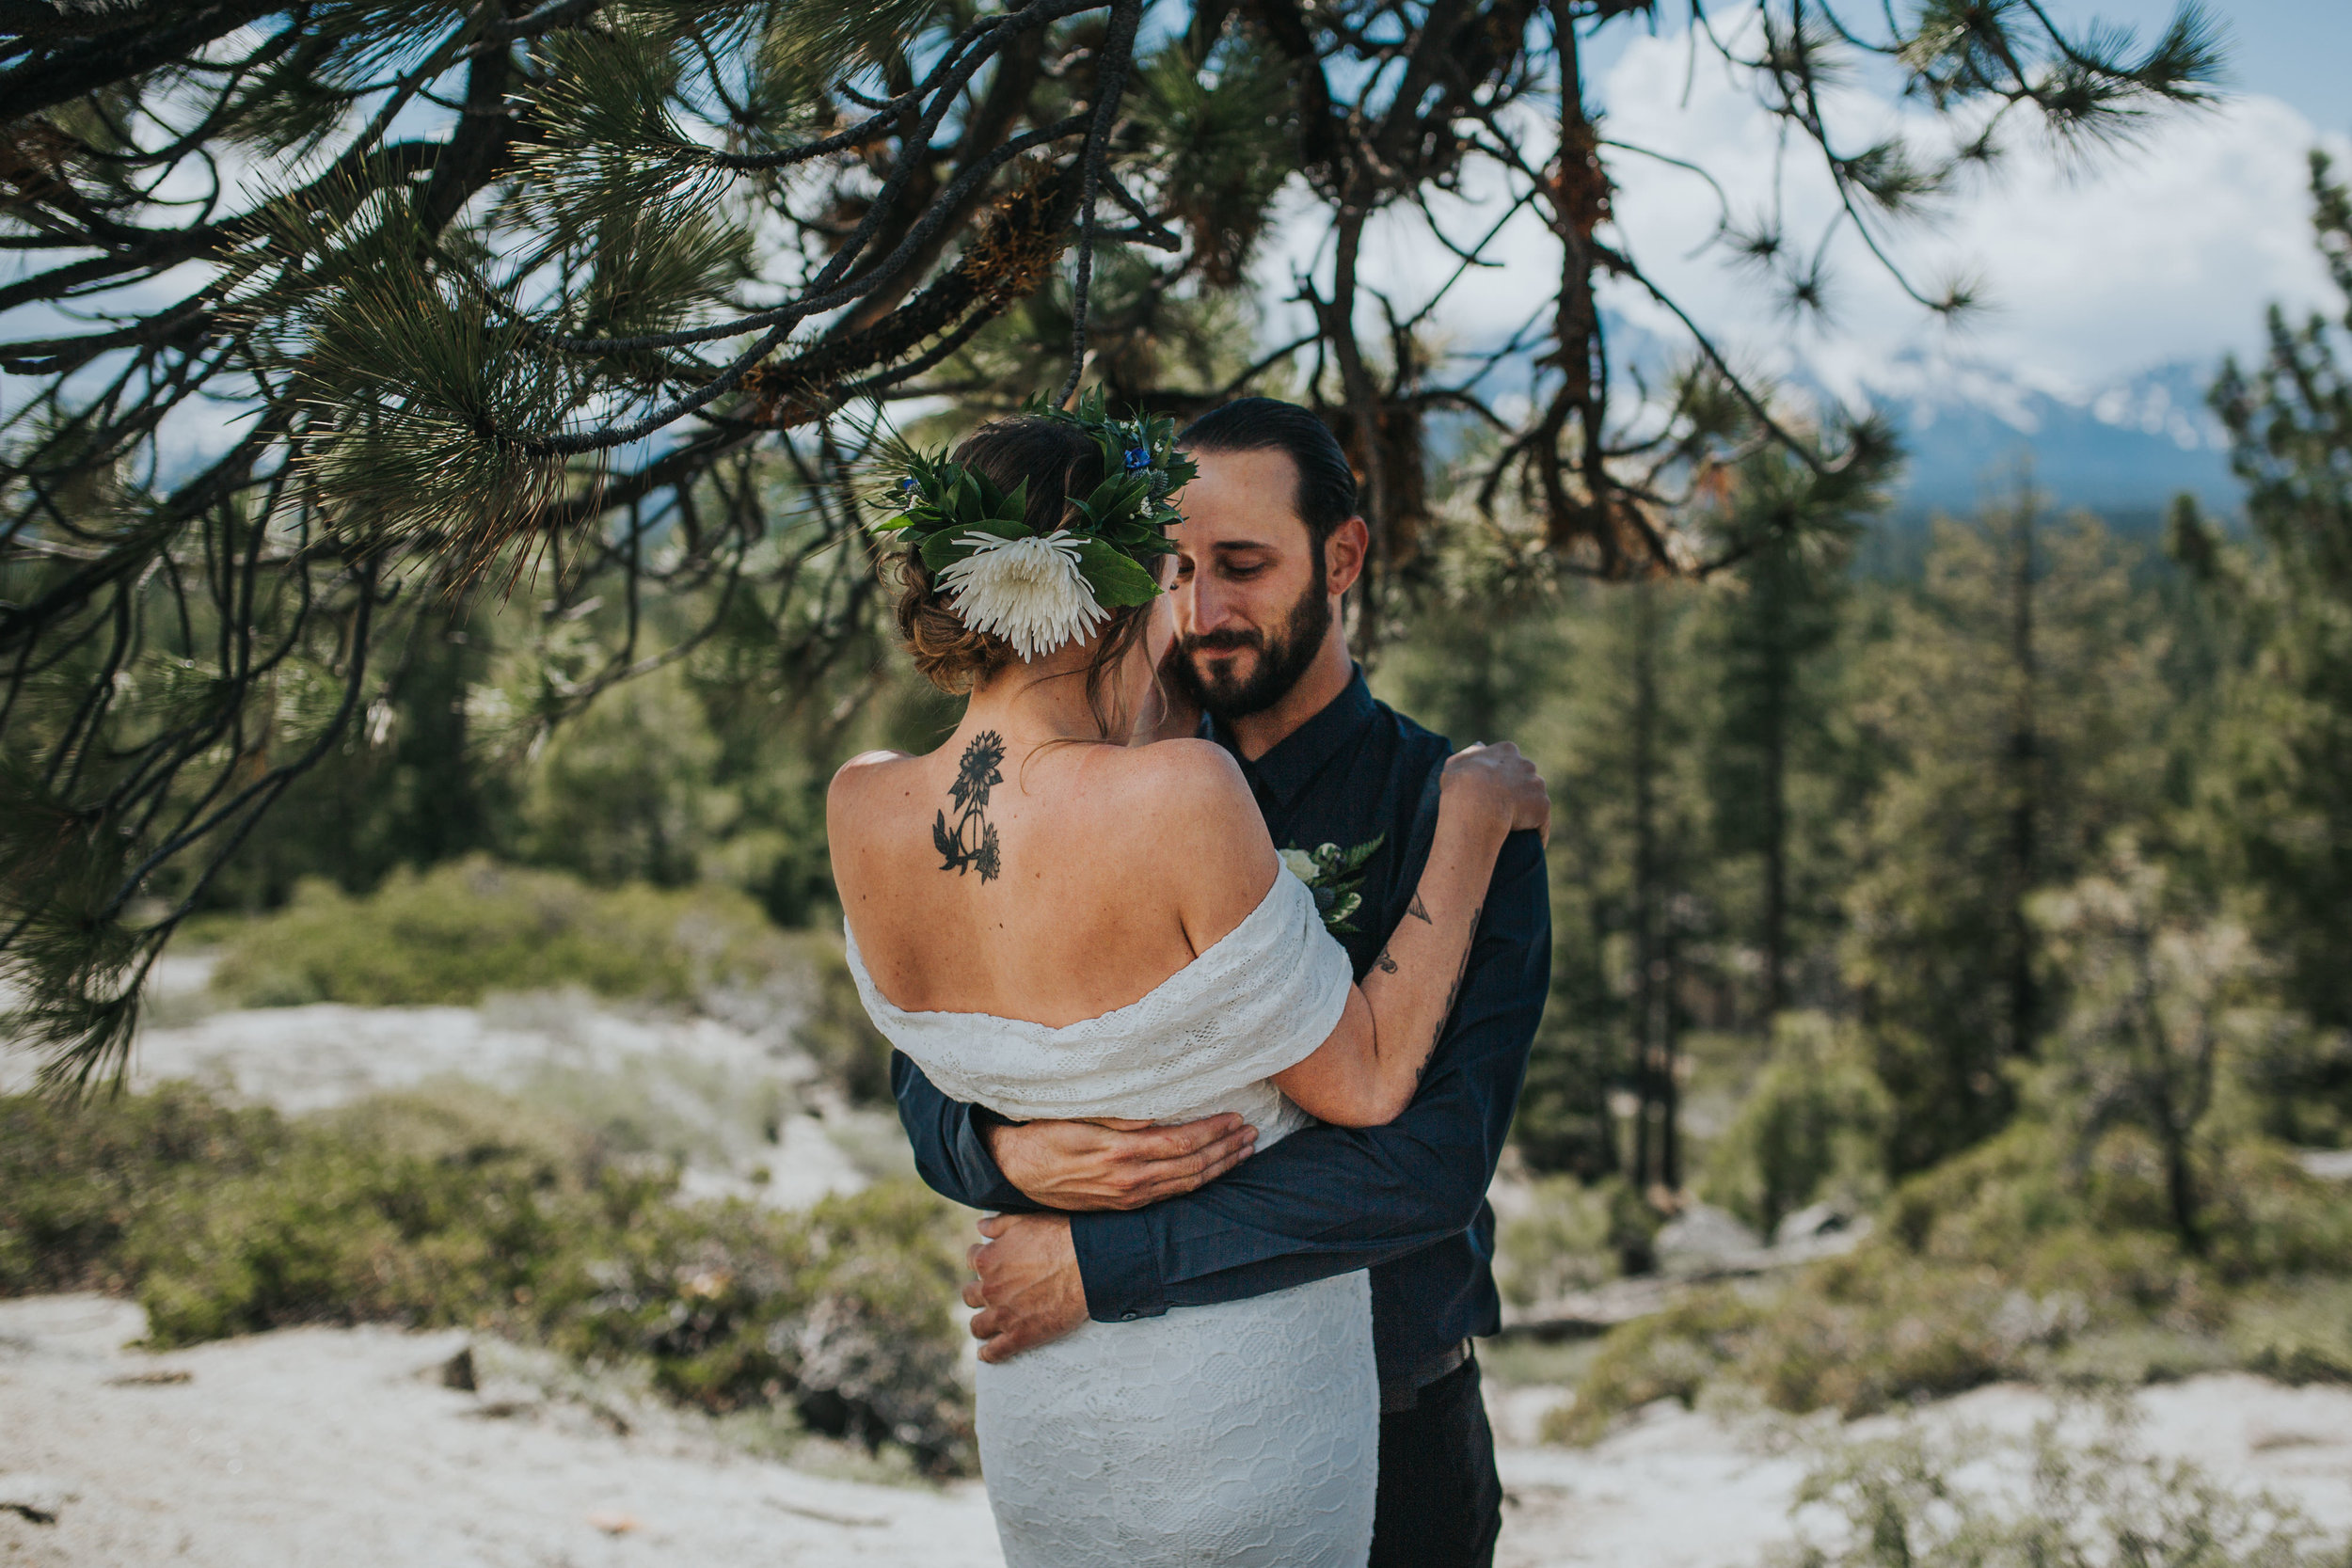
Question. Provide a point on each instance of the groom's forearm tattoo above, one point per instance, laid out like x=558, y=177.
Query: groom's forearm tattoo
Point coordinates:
x=1384, y=963
x=1452, y=994
x=1418, y=910
x=971, y=843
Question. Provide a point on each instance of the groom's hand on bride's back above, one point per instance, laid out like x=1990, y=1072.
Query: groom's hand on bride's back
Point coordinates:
x=1115, y=1164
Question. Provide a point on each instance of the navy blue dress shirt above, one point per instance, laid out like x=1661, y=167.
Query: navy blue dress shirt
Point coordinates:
x=1407, y=1200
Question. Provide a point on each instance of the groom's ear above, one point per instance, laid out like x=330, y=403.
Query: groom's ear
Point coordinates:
x=1343, y=554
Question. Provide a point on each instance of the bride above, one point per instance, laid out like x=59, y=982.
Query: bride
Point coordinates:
x=1053, y=921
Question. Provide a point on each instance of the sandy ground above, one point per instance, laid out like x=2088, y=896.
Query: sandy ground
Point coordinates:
x=319, y=1447
x=1682, y=1490
x=341, y=1447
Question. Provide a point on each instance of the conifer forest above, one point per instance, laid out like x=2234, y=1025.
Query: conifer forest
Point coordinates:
x=433, y=568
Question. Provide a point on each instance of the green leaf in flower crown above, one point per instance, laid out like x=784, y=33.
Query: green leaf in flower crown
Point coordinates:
x=948, y=546
x=1115, y=578
x=944, y=549
x=1113, y=498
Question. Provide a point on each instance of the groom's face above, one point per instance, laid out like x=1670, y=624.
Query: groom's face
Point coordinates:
x=1252, y=596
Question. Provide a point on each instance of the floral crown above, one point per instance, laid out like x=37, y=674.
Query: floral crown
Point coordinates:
x=1042, y=591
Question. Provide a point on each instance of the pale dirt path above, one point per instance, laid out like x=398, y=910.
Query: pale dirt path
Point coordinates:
x=339, y=1449
x=1679, y=1489
x=327, y=1449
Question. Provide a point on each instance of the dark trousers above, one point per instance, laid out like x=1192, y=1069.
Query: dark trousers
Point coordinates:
x=1440, y=1503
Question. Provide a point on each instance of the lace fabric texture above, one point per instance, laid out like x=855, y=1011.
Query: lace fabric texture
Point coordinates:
x=1243, y=1433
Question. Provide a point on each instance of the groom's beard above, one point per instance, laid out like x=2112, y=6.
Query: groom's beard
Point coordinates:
x=1216, y=685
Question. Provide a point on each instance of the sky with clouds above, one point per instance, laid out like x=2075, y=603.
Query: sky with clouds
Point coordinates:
x=2162, y=253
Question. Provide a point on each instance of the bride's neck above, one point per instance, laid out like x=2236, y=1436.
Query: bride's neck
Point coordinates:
x=1031, y=706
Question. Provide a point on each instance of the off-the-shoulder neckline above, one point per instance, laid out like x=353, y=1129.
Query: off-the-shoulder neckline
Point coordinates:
x=873, y=991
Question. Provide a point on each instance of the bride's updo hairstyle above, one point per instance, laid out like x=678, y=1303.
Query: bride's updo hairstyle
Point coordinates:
x=1059, y=461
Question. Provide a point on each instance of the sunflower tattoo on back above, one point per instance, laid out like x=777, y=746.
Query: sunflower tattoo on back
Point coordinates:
x=971, y=843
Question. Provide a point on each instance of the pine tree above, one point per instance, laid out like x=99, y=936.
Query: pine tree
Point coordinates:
x=1770, y=770
x=2019, y=706
x=1628, y=861
x=599, y=297
x=2284, y=785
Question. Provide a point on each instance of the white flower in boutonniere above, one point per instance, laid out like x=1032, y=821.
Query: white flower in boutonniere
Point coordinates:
x=1029, y=592
x=1336, y=878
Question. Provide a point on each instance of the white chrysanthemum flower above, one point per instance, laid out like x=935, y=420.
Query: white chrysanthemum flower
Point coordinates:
x=1029, y=592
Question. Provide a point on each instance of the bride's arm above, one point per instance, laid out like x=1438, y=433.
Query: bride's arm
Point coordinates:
x=1365, y=1073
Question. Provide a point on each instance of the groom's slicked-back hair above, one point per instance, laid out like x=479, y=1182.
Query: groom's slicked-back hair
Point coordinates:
x=1326, y=485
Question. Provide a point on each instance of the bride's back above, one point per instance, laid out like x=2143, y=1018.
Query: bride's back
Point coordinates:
x=1051, y=883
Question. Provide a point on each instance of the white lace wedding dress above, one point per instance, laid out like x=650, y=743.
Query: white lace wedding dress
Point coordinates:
x=1244, y=1434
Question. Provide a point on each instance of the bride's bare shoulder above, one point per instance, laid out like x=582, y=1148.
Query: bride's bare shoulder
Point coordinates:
x=867, y=776
x=1188, y=798
x=1185, y=777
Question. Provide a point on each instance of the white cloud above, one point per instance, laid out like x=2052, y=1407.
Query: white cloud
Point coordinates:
x=2155, y=254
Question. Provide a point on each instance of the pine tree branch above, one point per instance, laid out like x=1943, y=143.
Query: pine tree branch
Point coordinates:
x=170, y=34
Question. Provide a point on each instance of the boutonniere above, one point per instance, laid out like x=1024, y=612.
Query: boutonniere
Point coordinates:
x=1336, y=878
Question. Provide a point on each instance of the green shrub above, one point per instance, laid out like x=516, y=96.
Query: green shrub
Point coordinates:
x=1811, y=1128
x=467, y=1209
x=2298, y=1336
x=339, y=1228
x=1669, y=1355
x=460, y=931
x=75, y=1177
x=1915, y=1502
x=1563, y=1242
x=2016, y=1260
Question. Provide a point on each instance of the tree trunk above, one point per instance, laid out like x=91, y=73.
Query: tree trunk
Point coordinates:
x=1648, y=1166
x=2025, y=780
x=1778, y=675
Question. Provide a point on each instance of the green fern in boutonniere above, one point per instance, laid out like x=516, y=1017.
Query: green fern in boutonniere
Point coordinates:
x=1336, y=878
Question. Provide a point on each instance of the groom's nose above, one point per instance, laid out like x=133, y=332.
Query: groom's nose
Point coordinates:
x=1207, y=605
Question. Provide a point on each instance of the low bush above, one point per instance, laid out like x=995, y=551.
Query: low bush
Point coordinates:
x=1811, y=1128
x=74, y=1178
x=2093, y=1500
x=472, y=1211
x=463, y=929
x=1571, y=1236
x=2010, y=1262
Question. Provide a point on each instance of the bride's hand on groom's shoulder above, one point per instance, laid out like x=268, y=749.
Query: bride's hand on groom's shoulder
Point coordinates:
x=1498, y=781
x=1025, y=1284
x=1075, y=1166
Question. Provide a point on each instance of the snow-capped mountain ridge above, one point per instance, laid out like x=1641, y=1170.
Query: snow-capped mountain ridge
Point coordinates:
x=2129, y=445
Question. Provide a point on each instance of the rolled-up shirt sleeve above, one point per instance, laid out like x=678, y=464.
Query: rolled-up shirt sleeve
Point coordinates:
x=1328, y=1200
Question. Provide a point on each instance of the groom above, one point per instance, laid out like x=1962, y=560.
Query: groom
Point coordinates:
x=1120, y=1223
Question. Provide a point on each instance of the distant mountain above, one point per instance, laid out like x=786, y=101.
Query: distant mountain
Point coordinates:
x=2125, y=448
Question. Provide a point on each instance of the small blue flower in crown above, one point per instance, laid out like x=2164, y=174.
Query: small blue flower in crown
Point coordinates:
x=1138, y=459
x=909, y=488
